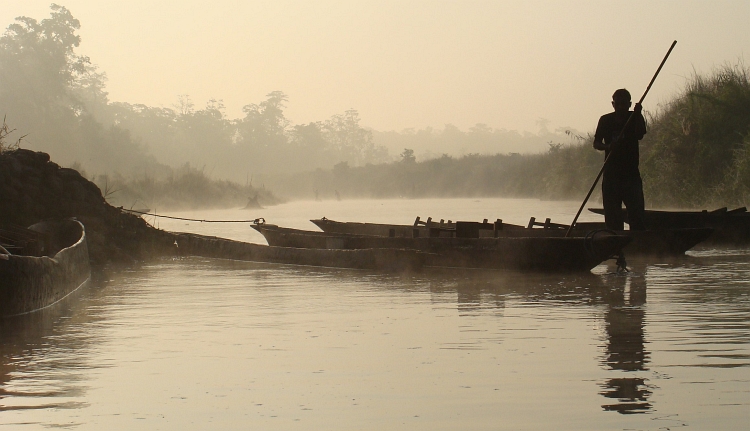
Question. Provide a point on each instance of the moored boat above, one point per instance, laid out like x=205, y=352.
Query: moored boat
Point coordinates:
x=656, y=242
x=518, y=253
x=730, y=227
x=41, y=265
x=372, y=259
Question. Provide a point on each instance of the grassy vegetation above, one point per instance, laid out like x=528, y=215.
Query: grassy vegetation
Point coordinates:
x=5, y=131
x=697, y=151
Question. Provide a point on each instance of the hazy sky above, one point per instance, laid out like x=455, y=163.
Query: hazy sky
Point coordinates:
x=404, y=64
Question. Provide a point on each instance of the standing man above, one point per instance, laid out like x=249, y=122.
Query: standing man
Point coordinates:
x=622, y=179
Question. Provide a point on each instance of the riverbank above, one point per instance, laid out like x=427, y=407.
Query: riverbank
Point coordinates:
x=34, y=188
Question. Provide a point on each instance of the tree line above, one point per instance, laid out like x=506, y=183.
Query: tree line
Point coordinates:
x=59, y=98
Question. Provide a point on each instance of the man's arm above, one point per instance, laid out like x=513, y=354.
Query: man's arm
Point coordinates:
x=640, y=126
x=600, y=145
x=598, y=138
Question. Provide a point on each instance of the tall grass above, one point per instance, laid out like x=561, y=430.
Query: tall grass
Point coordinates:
x=5, y=131
x=697, y=151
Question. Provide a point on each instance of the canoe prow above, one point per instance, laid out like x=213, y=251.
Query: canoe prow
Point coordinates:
x=37, y=274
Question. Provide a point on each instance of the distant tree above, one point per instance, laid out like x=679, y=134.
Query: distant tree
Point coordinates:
x=90, y=90
x=56, y=97
x=309, y=135
x=155, y=127
x=204, y=135
x=341, y=168
x=184, y=105
x=408, y=156
x=352, y=142
x=309, y=148
x=264, y=124
x=39, y=69
x=543, y=124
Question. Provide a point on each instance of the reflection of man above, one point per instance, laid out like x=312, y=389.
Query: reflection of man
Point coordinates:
x=622, y=179
x=626, y=346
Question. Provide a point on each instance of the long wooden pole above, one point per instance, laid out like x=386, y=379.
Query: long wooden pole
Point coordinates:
x=601, y=171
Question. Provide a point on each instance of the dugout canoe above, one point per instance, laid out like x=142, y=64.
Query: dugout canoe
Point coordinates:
x=655, y=242
x=515, y=253
x=41, y=265
x=371, y=259
x=730, y=227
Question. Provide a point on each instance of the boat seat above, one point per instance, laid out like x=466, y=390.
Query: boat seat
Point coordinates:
x=547, y=224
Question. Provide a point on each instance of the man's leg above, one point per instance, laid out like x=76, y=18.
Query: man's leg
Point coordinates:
x=634, y=202
x=612, y=201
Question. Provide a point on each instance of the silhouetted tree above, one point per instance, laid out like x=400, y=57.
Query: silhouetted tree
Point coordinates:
x=38, y=68
x=264, y=124
x=350, y=141
x=408, y=156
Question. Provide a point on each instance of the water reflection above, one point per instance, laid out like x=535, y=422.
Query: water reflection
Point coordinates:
x=625, y=347
x=622, y=296
x=43, y=355
x=501, y=336
x=632, y=394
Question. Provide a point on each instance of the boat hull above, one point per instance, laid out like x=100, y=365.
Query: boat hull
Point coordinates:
x=30, y=283
x=661, y=242
x=517, y=253
x=374, y=259
x=730, y=227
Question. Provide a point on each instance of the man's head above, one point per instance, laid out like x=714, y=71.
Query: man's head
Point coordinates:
x=621, y=100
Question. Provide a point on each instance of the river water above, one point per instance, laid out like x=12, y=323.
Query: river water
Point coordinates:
x=205, y=344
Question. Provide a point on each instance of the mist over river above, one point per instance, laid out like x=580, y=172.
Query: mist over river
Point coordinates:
x=207, y=344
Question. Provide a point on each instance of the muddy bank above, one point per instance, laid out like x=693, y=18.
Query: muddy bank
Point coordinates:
x=33, y=189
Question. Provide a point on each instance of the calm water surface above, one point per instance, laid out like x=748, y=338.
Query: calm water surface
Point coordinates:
x=203, y=344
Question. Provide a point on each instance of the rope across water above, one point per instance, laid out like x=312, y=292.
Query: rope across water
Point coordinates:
x=257, y=220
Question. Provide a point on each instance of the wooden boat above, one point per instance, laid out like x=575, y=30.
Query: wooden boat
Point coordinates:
x=374, y=259
x=41, y=265
x=518, y=253
x=730, y=226
x=659, y=242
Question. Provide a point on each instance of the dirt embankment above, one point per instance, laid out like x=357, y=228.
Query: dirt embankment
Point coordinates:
x=33, y=188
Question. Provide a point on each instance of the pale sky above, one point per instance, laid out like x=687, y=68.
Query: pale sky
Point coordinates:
x=404, y=64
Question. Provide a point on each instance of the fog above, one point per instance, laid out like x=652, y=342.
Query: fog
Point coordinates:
x=241, y=91
x=402, y=64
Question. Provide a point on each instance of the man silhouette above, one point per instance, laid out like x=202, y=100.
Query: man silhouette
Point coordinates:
x=622, y=179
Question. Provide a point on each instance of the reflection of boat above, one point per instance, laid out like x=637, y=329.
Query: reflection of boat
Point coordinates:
x=730, y=226
x=652, y=242
x=520, y=253
x=41, y=265
x=388, y=260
